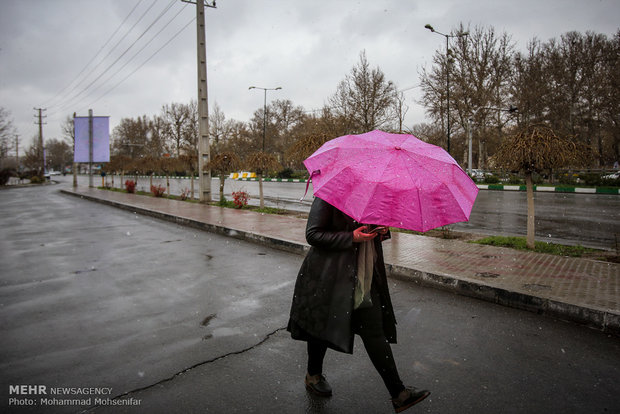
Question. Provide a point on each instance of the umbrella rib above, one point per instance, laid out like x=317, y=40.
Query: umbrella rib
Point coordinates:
x=420, y=213
x=421, y=164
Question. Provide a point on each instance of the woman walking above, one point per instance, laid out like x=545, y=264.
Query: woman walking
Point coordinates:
x=342, y=290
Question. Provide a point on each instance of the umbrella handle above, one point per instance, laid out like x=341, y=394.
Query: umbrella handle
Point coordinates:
x=315, y=172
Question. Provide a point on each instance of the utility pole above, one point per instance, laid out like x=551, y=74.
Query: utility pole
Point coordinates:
x=75, y=164
x=41, y=154
x=204, y=154
x=17, y=153
x=90, y=148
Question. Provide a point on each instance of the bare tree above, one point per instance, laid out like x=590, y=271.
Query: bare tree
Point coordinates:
x=306, y=146
x=400, y=110
x=218, y=127
x=223, y=164
x=536, y=148
x=611, y=102
x=130, y=137
x=7, y=132
x=430, y=133
x=58, y=154
x=176, y=117
x=262, y=162
x=529, y=86
x=479, y=66
x=156, y=137
x=239, y=140
x=365, y=98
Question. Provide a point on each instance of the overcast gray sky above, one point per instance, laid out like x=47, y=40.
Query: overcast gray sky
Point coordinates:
x=305, y=47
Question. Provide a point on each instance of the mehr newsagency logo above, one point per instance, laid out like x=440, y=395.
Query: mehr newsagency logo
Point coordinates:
x=42, y=395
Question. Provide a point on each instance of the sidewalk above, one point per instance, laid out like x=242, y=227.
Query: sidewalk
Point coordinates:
x=579, y=290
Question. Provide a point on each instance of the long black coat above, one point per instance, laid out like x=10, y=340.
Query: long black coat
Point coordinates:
x=324, y=292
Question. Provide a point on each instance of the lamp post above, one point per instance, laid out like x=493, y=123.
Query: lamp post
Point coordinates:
x=265, y=109
x=447, y=36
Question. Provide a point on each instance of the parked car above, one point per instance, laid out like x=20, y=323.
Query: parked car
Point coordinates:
x=477, y=174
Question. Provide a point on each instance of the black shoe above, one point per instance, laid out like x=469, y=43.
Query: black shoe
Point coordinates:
x=408, y=398
x=317, y=384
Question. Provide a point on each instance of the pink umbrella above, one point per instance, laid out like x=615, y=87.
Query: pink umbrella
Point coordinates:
x=392, y=180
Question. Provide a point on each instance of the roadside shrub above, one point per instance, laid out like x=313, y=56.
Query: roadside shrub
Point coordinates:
x=130, y=186
x=35, y=179
x=5, y=174
x=285, y=173
x=491, y=179
x=240, y=198
x=184, y=194
x=538, y=179
x=591, y=179
x=158, y=191
x=567, y=179
x=514, y=180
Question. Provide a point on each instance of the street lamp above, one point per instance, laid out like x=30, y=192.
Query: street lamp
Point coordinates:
x=265, y=109
x=447, y=36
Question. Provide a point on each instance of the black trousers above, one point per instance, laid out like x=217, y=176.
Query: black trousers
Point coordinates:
x=368, y=324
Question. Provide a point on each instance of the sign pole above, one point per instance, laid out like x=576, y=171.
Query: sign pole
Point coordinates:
x=90, y=148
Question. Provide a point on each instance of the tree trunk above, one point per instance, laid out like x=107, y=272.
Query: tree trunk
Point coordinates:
x=192, y=184
x=75, y=167
x=530, y=211
x=168, y=183
x=222, y=178
x=260, y=190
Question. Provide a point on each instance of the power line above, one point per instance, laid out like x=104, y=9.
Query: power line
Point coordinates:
x=143, y=63
x=161, y=14
x=95, y=56
x=69, y=101
x=81, y=81
x=132, y=57
x=143, y=47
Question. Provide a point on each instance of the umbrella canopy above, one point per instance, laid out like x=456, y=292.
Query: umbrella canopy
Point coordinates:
x=392, y=180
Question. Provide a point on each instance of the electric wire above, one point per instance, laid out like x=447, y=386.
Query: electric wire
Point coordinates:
x=68, y=100
x=162, y=13
x=143, y=63
x=105, y=81
x=75, y=78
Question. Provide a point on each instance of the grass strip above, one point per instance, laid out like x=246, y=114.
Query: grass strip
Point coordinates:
x=520, y=243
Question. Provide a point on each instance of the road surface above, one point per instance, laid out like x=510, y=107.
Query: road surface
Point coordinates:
x=178, y=320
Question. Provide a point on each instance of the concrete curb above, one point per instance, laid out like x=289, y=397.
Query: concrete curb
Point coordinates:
x=605, y=321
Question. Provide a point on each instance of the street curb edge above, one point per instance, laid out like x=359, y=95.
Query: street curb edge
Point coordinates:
x=607, y=322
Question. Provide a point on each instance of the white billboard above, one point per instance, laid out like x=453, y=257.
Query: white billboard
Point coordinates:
x=101, y=139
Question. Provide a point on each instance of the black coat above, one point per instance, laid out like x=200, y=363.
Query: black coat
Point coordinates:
x=323, y=298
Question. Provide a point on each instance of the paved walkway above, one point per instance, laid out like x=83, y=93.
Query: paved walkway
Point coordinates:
x=580, y=290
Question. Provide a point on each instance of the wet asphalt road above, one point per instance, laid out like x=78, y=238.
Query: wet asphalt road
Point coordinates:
x=591, y=220
x=185, y=321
